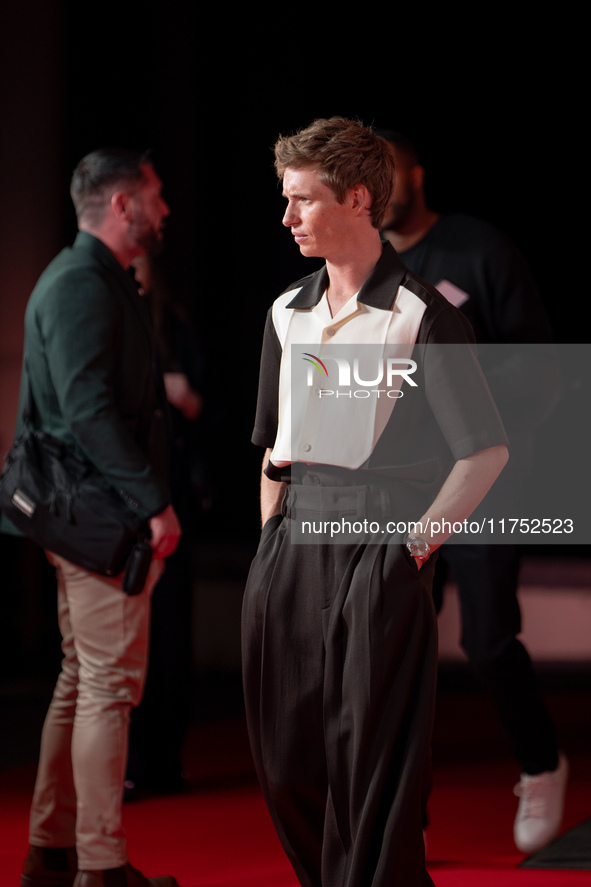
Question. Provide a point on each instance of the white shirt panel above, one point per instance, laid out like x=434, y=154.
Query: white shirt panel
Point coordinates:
x=341, y=431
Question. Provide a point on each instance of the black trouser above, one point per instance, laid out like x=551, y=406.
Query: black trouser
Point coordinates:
x=340, y=656
x=487, y=579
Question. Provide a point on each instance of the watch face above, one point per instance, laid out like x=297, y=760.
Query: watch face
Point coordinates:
x=417, y=547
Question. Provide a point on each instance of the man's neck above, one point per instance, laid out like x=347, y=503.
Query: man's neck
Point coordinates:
x=346, y=277
x=410, y=233
x=120, y=249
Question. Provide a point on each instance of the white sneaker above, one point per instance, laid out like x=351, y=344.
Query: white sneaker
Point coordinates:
x=541, y=805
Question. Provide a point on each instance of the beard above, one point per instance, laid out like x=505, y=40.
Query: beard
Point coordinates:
x=396, y=215
x=399, y=209
x=146, y=236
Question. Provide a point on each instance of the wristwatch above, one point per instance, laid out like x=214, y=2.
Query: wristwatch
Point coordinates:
x=417, y=547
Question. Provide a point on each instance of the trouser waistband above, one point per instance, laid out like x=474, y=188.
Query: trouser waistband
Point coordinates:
x=359, y=500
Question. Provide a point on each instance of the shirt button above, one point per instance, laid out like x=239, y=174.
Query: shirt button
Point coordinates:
x=307, y=447
x=330, y=331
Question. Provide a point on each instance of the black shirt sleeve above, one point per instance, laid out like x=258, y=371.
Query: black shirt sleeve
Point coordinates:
x=267, y=414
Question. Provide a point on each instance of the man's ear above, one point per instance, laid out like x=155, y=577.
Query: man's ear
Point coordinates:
x=121, y=205
x=417, y=174
x=360, y=198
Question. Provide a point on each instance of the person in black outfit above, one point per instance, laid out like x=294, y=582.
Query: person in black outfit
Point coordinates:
x=482, y=273
x=159, y=724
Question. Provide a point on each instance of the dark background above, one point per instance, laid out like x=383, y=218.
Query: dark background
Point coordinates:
x=495, y=103
x=495, y=107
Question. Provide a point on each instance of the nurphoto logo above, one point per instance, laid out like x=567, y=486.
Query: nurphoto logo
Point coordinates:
x=388, y=369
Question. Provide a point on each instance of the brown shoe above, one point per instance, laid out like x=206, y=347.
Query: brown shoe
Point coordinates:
x=49, y=867
x=124, y=876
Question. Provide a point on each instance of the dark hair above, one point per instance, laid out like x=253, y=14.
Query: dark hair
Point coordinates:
x=100, y=172
x=402, y=143
x=346, y=153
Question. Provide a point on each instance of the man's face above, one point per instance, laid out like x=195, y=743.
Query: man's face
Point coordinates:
x=403, y=194
x=319, y=223
x=149, y=213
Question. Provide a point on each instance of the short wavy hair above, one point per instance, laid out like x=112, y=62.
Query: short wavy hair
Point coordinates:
x=346, y=153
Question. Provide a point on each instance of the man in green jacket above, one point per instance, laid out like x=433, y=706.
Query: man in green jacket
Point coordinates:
x=90, y=360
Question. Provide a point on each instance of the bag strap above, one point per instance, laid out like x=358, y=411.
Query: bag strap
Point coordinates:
x=29, y=405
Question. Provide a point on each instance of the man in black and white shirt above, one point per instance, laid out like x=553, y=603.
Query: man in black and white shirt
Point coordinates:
x=339, y=640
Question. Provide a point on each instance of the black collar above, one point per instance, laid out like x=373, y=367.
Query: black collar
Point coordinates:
x=378, y=291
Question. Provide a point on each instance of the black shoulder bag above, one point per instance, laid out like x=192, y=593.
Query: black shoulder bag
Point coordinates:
x=63, y=503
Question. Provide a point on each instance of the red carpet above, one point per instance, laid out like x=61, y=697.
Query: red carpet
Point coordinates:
x=219, y=834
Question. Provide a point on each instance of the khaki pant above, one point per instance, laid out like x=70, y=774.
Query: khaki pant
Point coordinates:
x=78, y=791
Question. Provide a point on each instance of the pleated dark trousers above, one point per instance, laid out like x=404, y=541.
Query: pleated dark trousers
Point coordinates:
x=340, y=654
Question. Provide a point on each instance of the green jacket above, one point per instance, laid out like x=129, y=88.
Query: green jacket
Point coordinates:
x=91, y=360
